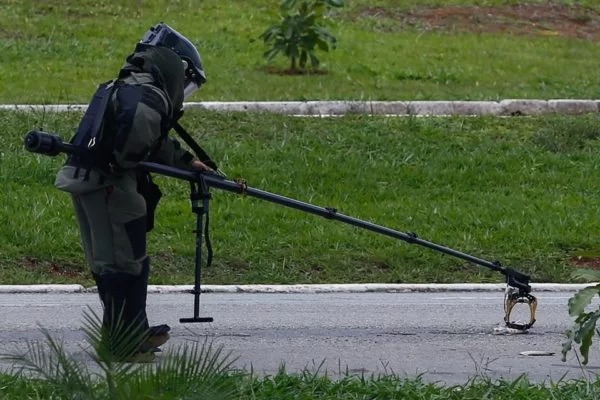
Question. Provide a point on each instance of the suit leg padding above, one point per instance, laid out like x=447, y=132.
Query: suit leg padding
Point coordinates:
x=123, y=297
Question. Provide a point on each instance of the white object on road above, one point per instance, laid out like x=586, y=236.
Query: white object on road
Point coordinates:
x=537, y=353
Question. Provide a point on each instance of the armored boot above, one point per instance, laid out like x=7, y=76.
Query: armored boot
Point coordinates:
x=156, y=335
x=124, y=299
x=159, y=334
x=125, y=325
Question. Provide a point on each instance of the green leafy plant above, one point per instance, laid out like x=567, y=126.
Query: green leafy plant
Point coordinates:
x=584, y=328
x=196, y=370
x=301, y=31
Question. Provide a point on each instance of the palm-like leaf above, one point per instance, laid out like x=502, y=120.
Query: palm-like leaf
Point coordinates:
x=109, y=349
x=189, y=371
x=51, y=363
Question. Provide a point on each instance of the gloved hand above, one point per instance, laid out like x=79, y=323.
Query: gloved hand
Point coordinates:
x=197, y=164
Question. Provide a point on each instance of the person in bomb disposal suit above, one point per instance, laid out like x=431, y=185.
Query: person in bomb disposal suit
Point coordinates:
x=132, y=123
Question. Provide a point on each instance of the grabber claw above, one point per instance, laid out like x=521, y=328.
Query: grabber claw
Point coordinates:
x=516, y=296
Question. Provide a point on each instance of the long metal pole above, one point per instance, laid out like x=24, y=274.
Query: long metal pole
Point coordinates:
x=44, y=143
x=515, y=278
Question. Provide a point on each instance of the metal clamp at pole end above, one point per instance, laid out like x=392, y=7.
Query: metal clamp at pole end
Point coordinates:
x=513, y=297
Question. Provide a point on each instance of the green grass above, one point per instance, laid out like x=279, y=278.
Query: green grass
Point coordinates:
x=518, y=190
x=58, y=51
x=322, y=387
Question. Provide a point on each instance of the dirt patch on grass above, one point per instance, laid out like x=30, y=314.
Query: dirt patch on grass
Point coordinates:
x=550, y=19
x=587, y=262
x=64, y=270
x=294, y=71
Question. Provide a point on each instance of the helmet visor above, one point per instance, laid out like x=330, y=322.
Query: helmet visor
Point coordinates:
x=192, y=80
x=189, y=88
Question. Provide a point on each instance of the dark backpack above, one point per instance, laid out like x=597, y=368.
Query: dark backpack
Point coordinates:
x=88, y=136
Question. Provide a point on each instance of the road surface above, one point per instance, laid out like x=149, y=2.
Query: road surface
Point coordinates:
x=445, y=337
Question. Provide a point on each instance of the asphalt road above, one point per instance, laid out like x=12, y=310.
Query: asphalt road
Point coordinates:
x=445, y=337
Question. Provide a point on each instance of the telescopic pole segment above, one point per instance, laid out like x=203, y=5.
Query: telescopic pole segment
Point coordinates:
x=199, y=191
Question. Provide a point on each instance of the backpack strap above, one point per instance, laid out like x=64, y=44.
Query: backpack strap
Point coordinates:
x=205, y=158
x=187, y=138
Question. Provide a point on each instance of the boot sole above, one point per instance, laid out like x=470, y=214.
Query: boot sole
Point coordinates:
x=141, y=358
x=157, y=340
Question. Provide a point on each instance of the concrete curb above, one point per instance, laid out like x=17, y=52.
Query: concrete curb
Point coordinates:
x=309, y=288
x=410, y=108
x=508, y=107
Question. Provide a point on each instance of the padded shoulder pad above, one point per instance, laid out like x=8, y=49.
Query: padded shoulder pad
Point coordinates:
x=129, y=96
x=154, y=100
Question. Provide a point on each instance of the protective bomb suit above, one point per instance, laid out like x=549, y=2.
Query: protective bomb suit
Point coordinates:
x=113, y=216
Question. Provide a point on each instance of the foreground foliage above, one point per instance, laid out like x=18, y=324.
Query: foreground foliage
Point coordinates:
x=46, y=370
x=283, y=386
x=584, y=327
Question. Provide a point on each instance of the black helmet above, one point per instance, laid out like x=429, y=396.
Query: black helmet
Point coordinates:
x=164, y=36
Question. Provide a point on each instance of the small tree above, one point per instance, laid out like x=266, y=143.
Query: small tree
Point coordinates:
x=300, y=31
